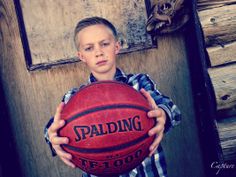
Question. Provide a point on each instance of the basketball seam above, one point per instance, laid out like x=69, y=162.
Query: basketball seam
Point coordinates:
x=102, y=82
x=106, y=82
x=101, y=108
x=107, y=149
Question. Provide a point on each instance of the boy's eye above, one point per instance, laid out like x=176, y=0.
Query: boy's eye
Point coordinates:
x=105, y=44
x=88, y=49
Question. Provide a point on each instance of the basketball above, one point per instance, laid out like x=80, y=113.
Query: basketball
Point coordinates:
x=107, y=127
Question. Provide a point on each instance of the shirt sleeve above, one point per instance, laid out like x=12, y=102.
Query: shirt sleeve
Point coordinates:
x=162, y=101
x=65, y=99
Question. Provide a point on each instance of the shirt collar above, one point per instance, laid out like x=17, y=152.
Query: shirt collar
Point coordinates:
x=119, y=76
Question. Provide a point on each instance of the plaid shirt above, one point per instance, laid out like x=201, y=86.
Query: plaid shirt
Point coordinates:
x=154, y=166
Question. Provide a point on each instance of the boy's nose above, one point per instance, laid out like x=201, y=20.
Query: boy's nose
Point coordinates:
x=98, y=52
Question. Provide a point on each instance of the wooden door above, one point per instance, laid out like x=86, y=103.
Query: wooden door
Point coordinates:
x=32, y=96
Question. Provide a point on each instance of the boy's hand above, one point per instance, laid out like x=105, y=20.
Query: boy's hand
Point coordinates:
x=56, y=141
x=160, y=116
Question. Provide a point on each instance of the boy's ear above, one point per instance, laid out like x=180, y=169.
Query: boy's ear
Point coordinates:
x=118, y=47
x=81, y=57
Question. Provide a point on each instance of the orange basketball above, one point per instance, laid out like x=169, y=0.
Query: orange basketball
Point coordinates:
x=107, y=125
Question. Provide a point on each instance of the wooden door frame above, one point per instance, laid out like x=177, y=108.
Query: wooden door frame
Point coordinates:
x=203, y=92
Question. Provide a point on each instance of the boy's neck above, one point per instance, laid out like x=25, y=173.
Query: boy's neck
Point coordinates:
x=105, y=76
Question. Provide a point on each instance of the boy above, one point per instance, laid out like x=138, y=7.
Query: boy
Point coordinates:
x=97, y=45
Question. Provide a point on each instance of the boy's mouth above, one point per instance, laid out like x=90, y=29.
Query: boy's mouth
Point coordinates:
x=102, y=62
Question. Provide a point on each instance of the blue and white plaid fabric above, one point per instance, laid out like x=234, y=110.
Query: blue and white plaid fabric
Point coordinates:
x=154, y=166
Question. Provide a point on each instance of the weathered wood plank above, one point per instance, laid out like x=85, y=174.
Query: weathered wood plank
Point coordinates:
x=224, y=83
x=219, y=25
x=227, y=134
x=221, y=114
x=222, y=55
x=209, y=4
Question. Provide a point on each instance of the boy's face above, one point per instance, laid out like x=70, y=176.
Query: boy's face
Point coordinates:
x=98, y=49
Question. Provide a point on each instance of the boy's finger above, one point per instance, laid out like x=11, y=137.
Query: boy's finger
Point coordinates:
x=56, y=140
x=68, y=162
x=156, y=141
x=56, y=126
x=57, y=116
x=155, y=144
x=61, y=153
x=152, y=152
x=154, y=113
x=156, y=130
x=149, y=98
